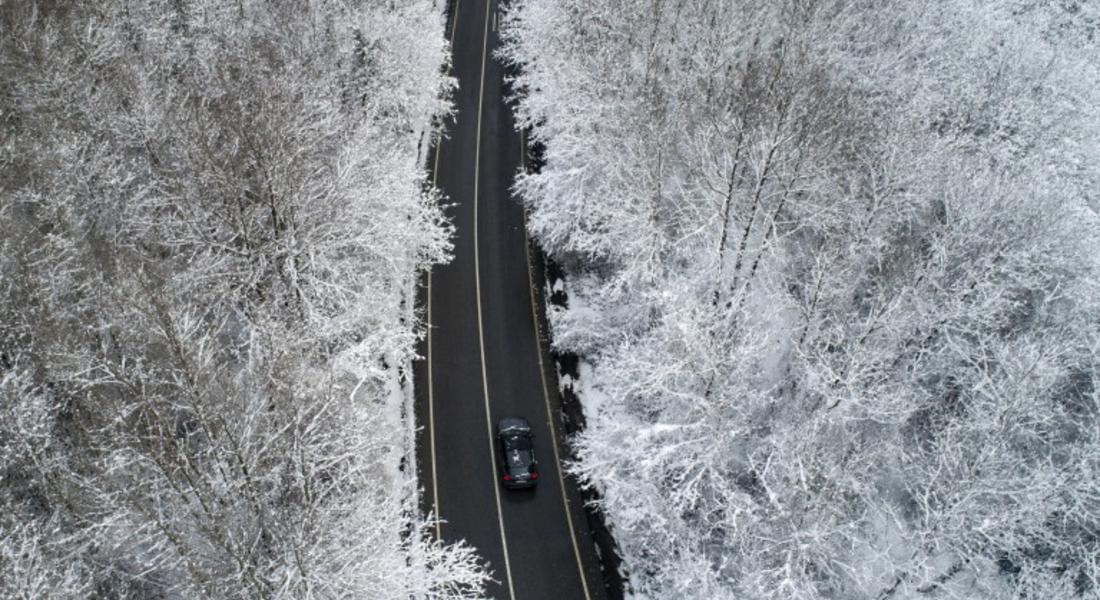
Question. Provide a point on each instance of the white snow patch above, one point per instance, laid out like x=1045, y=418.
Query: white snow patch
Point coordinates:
x=593, y=400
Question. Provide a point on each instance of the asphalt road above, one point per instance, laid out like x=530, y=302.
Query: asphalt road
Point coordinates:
x=483, y=358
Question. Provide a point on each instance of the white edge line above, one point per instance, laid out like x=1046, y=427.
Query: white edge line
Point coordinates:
x=431, y=422
x=477, y=287
x=431, y=390
x=545, y=390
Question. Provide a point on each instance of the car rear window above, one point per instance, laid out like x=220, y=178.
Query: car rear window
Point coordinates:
x=519, y=459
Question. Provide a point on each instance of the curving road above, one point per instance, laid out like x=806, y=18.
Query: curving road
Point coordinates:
x=483, y=359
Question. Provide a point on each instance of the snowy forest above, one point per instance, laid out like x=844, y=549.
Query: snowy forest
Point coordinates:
x=212, y=215
x=832, y=269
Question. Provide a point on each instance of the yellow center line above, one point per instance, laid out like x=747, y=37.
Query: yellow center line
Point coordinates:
x=431, y=385
x=545, y=389
x=477, y=287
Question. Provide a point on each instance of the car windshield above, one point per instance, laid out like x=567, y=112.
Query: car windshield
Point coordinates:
x=519, y=443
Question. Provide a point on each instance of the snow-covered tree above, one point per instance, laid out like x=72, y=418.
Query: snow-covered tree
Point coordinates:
x=211, y=221
x=835, y=267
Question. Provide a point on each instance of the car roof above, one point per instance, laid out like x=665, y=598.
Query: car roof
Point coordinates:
x=515, y=425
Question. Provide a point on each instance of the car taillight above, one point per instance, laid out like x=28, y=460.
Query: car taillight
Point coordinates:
x=507, y=477
x=535, y=475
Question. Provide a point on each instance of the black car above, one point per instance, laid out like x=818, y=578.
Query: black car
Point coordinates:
x=518, y=466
